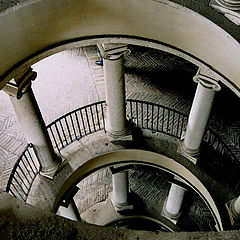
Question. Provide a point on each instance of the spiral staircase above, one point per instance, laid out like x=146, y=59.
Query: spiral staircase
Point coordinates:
x=159, y=95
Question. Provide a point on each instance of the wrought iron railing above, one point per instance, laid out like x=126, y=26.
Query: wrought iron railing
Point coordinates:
x=23, y=174
x=90, y=119
x=77, y=124
x=156, y=117
x=224, y=158
x=213, y=140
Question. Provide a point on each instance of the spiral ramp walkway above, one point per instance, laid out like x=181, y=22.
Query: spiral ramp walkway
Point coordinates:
x=153, y=78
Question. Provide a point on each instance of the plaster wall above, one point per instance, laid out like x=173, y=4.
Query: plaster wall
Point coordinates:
x=31, y=27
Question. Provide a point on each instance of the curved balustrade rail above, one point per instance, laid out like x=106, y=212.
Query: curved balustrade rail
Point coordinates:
x=23, y=174
x=90, y=119
x=156, y=117
x=77, y=124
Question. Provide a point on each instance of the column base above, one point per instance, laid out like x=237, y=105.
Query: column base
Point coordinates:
x=121, y=207
x=171, y=217
x=233, y=215
x=50, y=173
x=191, y=155
x=118, y=134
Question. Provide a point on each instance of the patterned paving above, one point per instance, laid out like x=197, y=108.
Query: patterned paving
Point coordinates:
x=64, y=83
x=71, y=79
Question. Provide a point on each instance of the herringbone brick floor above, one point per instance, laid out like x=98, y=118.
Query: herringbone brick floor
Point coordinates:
x=64, y=83
x=71, y=79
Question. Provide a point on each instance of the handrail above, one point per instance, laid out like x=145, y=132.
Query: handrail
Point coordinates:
x=156, y=117
x=89, y=119
x=77, y=124
x=23, y=174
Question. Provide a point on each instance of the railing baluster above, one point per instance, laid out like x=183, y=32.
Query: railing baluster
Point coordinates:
x=58, y=133
x=28, y=165
x=152, y=115
x=78, y=124
x=65, y=137
x=73, y=126
x=54, y=138
x=163, y=122
x=69, y=132
x=168, y=119
x=83, y=122
x=131, y=109
x=104, y=126
x=20, y=186
x=10, y=190
x=89, y=127
x=136, y=103
x=158, y=111
x=173, y=122
x=99, y=126
x=18, y=193
x=30, y=155
x=181, y=130
x=142, y=115
x=178, y=122
x=24, y=173
x=94, y=127
x=21, y=181
x=147, y=115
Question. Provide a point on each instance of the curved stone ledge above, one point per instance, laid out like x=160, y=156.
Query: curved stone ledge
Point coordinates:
x=64, y=25
x=22, y=221
x=44, y=191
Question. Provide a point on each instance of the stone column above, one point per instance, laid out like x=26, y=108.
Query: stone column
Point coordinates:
x=120, y=189
x=113, y=64
x=230, y=4
x=235, y=209
x=174, y=201
x=199, y=114
x=70, y=212
x=197, y=122
x=30, y=119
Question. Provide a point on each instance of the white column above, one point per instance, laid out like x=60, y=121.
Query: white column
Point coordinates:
x=199, y=114
x=235, y=208
x=113, y=64
x=174, y=200
x=70, y=212
x=30, y=119
x=230, y=4
x=120, y=189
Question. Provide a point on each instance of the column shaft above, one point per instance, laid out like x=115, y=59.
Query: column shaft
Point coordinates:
x=115, y=96
x=31, y=120
x=198, y=118
x=175, y=199
x=120, y=188
x=237, y=205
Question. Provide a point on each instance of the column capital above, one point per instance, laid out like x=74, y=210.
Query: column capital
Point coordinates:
x=207, y=80
x=20, y=84
x=113, y=51
x=230, y=9
x=229, y=4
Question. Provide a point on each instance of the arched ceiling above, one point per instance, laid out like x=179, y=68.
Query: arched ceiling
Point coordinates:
x=33, y=26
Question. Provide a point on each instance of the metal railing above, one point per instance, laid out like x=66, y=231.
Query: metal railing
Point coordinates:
x=77, y=124
x=224, y=158
x=213, y=140
x=156, y=117
x=23, y=174
x=90, y=119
